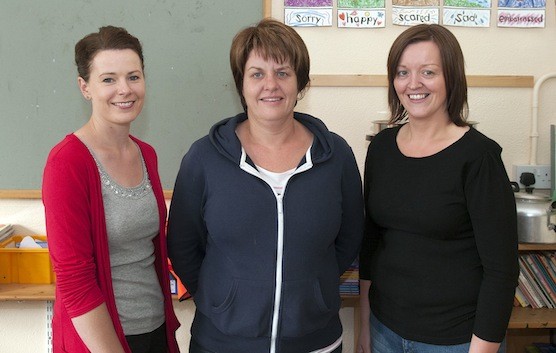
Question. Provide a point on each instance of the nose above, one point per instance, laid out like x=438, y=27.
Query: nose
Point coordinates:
x=270, y=82
x=414, y=81
x=123, y=87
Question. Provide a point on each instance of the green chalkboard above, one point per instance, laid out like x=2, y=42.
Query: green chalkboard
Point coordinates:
x=189, y=82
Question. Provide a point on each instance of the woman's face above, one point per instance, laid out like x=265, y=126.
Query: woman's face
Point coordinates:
x=116, y=86
x=269, y=88
x=419, y=81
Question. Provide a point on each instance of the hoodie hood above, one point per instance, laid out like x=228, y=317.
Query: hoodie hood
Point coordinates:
x=223, y=136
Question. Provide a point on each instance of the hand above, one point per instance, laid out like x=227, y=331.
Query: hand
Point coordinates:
x=479, y=345
x=364, y=341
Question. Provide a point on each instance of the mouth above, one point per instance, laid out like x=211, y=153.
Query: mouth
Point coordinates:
x=418, y=96
x=271, y=99
x=124, y=104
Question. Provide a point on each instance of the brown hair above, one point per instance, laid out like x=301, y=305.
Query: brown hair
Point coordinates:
x=272, y=40
x=453, y=69
x=107, y=38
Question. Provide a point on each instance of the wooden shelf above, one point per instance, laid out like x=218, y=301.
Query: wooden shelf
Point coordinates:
x=532, y=318
x=382, y=81
x=521, y=317
x=523, y=320
x=26, y=292
x=16, y=291
x=533, y=247
x=529, y=318
x=350, y=301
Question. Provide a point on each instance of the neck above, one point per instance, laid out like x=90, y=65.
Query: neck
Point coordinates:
x=116, y=136
x=427, y=129
x=108, y=137
x=271, y=133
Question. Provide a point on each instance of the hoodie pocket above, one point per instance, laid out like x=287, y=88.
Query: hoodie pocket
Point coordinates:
x=246, y=310
x=305, y=309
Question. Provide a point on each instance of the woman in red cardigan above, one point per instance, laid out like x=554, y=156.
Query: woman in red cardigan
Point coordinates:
x=105, y=214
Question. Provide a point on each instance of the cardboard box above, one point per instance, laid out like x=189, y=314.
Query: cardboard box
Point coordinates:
x=24, y=265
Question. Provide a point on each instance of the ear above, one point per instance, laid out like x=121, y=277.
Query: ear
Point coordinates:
x=84, y=88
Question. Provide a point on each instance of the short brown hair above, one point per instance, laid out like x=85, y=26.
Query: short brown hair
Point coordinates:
x=271, y=39
x=107, y=38
x=453, y=69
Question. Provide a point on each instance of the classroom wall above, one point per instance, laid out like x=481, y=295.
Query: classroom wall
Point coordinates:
x=504, y=114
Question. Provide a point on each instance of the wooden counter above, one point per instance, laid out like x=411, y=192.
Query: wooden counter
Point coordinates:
x=26, y=292
x=36, y=292
x=521, y=317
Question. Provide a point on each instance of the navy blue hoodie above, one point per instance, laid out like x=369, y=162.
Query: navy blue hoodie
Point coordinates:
x=264, y=270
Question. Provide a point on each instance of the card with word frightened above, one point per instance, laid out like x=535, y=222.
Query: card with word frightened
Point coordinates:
x=414, y=12
x=308, y=13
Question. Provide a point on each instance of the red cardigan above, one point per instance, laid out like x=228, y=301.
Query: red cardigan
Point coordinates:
x=78, y=242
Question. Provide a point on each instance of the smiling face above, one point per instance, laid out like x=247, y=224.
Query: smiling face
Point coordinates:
x=116, y=86
x=269, y=88
x=419, y=82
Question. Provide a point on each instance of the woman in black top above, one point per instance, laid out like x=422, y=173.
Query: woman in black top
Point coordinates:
x=440, y=249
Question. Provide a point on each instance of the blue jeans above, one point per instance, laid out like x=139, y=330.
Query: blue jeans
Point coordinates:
x=384, y=340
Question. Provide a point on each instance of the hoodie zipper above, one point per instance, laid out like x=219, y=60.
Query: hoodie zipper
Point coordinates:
x=280, y=237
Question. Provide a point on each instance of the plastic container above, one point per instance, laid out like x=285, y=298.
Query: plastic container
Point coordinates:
x=29, y=266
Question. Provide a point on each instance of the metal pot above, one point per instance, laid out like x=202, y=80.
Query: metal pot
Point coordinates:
x=536, y=217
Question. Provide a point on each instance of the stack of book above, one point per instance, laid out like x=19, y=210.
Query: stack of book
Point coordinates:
x=349, y=281
x=6, y=231
x=537, y=280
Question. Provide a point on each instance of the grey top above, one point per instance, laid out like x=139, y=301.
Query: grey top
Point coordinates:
x=132, y=223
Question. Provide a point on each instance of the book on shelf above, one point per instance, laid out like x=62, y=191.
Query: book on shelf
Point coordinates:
x=349, y=280
x=544, y=258
x=537, y=280
x=520, y=298
x=532, y=285
x=542, y=264
x=6, y=231
x=528, y=292
x=541, y=279
x=551, y=259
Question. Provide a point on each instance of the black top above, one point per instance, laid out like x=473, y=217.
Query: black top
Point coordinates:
x=440, y=243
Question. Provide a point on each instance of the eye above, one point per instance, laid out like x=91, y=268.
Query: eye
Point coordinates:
x=282, y=74
x=108, y=80
x=428, y=73
x=134, y=78
x=257, y=75
x=401, y=73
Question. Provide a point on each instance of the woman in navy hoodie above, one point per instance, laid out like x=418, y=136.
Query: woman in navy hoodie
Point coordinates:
x=267, y=211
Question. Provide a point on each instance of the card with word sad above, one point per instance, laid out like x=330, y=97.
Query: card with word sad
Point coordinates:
x=466, y=13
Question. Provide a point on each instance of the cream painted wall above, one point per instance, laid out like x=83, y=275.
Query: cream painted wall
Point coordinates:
x=504, y=114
